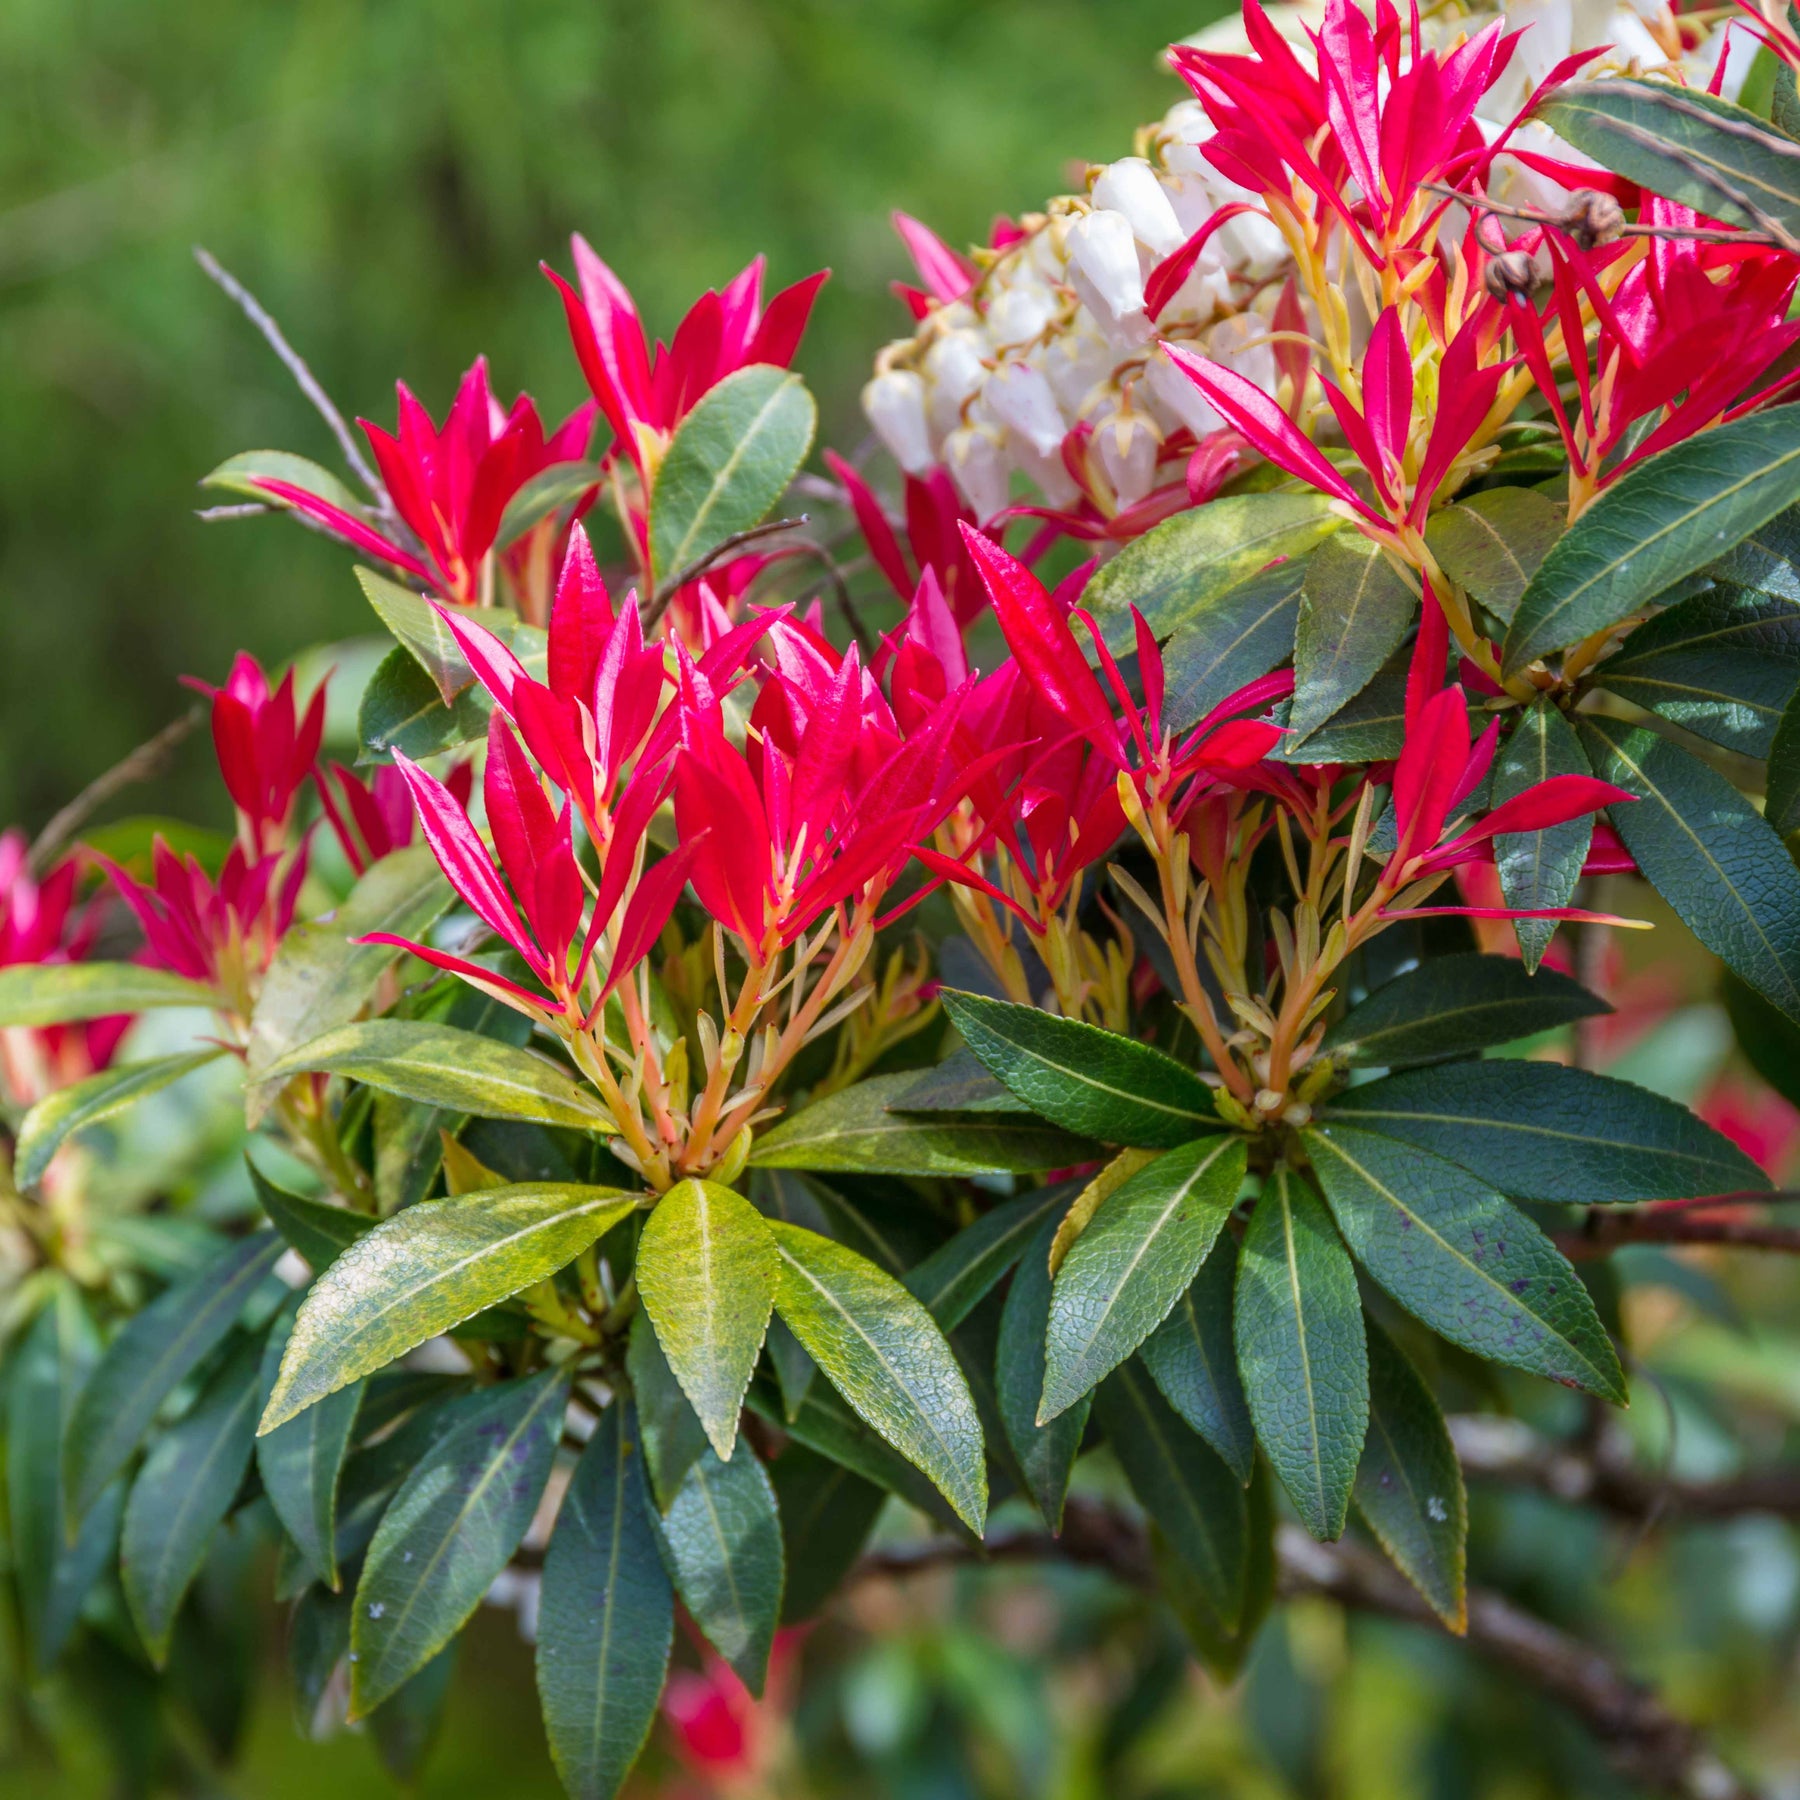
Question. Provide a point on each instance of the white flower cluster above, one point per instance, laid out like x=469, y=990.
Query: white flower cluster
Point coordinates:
x=1055, y=334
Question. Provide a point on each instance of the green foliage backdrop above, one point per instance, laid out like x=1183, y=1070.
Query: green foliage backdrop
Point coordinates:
x=384, y=176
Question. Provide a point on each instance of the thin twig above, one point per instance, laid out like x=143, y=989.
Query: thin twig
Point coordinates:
x=143, y=763
x=666, y=588
x=834, y=573
x=1528, y=216
x=1645, y=1739
x=258, y=315
x=248, y=509
x=1605, y=1232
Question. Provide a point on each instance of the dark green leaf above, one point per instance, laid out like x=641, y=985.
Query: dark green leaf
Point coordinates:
x=401, y=710
x=669, y=1428
x=730, y=460
x=1452, y=1005
x=1235, y=636
x=318, y=1640
x=1301, y=1351
x=320, y=978
x=1084, y=1079
x=1354, y=610
x=1539, y=1131
x=183, y=1491
x=459, y=1070
x=1409, y=1486
x=1196, y=1502
x=60, y=1115
x=876, y=1219
x=1493, y=543
x=1192, y=1358
x=1709, y=853
x=321, y=1233
x=1767, y=1037
x=453, y=1526
x=1045, y=1453
x=149, y=1359
x=1174, y=573
x=1538, y=870
x=1462, y=1258
x=879, y=1348
x=559, y=485
x=607, y=1617
x=853, y=1132
x=1656, y=524
x=405, y=1726
x=1134, y=1261
x=706, y=1272
x=429, y=1268
x=1686, y=145
x=827, y=1513
x=958, y=1084
x=300, y=1461
x=1722, y=664
x=722, y=1538
x=37, y=994
x=955, y=1277
x=1781, y=803
x=1222, y=1652
x=1370, y=728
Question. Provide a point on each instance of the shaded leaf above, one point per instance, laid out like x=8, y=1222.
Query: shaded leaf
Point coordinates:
x=1134, y=1261
x=1234, y=636
x=1221, y=1652
x=1301, y=1353
x=1766, y=1035
x=706, y=1272
x=1538, y=870
x=1781, y=802
x=550, y=489
x=827, y=1513
x=1045, y=1453
x=453, y=1526
x=1191, y=1356
x=1463, y=1258
x=958, y=1084
x=318, y=1231
x=1493, y=543
x=58, y=1116
x=405, y=1726
x=402, y=710
x=1369, y=728
x=429, y=1268
x=1355, y=608
x=958, y=1275
x=668, y=1427
x=607, y=1617
x=1539, y=1131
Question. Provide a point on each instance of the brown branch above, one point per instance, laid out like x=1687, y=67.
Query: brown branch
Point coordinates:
x=1607, y=1231
x=667, y=588
x=1648, y=1742
x=1530, y=216
x=142, y=764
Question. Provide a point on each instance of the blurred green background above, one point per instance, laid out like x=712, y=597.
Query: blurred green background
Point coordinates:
x=386, y=178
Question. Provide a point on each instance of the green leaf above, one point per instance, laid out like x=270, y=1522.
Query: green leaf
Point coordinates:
x=1539, y=1131
x=459, y=1070
x=1781, y=801
x=1688, y=146
x=1494, y=542
x=1409, y=1485
x=1084, y=1079
x=730, y=460
x=1354, y=610
x=1709, y=853
x=1174, y=573
x=58, y=1116
x=1462, y=1258
x=878, y=1220
x=1192, y=1358
x=402, y=710
x=301, y=1461
x=1233, y=637
x=419, y=630
x=1301, y=1351
x=1722, y=664
x=1196, y=1502
x=158, y=1349
x=452, y=1528
x=239, y=475
x=672, y=1435
x=320, y=978
x=1655, y=525
x=1538, y=870
x=550, y=489
x=958, y=1084
x=827, y=1513
x=37, y=994
x=45, y=1373
x=1134, y=1261
x=181, y=1495
x=953, y=1280
x=1768, y=1038
x=1370, y=728
x=1045, y=1453
x=880, y=1349
x=405, y=1726
x=607, y=1617
x=1221, y=1652
x=722, y=1541
x=1452, y=1005
x=706, y=1271
x=319, y=1232
x=429, y=1268
x=854, y=1132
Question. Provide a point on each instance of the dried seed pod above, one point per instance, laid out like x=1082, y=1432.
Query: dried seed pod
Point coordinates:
x=1592, y=218
x=1510, y=274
